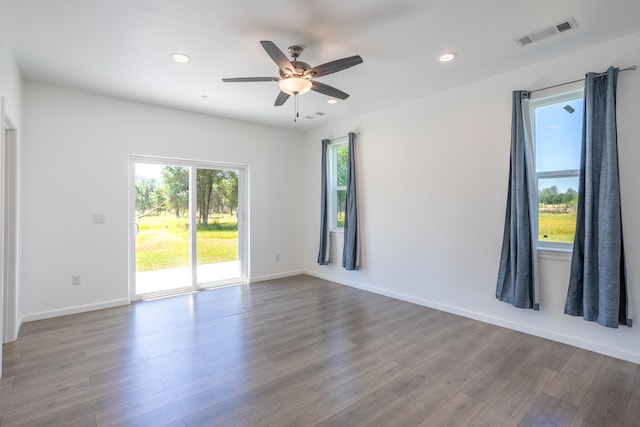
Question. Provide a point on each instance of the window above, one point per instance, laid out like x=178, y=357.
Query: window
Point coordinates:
x=557, y=133
x=337, y=164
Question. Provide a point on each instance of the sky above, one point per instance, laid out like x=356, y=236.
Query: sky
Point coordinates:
x=558, y=135
x=149, y=170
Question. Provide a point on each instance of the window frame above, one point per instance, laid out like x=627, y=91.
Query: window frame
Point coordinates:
x=556, y=98
x=333, y=187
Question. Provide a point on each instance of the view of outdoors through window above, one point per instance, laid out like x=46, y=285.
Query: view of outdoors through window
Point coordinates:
x=557, y=138
x=162, y=216
x=341, y=182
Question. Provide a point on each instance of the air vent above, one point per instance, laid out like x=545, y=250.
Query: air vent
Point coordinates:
x=560, y=27
x=564, y=26
x=524, y=41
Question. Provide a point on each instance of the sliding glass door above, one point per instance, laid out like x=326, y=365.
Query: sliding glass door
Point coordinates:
x=185, y=224
x=217, y=243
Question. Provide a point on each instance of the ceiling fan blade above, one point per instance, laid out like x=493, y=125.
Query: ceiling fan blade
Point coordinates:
x=252, y=79
x=276, y=54
x=281, y=99
x=334, y=66
x=328, y=90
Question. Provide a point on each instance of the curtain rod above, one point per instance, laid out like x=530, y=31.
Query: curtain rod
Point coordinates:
x=633, y=67
x=342, y=137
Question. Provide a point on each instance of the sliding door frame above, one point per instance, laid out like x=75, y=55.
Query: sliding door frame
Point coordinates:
x=242, y=212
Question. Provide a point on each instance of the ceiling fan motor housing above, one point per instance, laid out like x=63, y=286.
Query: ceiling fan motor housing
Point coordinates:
x=299, y=69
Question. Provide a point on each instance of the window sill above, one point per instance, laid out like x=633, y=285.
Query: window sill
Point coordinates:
x=337, y=233
x=556, y=254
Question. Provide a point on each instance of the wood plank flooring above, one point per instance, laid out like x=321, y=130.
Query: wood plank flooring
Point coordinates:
x=302, y=352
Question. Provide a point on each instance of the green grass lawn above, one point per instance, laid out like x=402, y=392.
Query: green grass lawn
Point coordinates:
x=163, y=241
x=559, y=227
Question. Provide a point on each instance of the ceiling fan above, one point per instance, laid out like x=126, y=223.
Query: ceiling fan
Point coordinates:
x=297, y=77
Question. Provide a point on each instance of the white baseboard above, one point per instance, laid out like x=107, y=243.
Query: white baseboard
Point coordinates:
x=73, y=310
x=553, y=336
x=266, y=277
x=125, y=301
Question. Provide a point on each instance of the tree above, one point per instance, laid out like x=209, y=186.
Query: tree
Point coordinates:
x=219, y=192
x=548, y=196
x=159, y=200
x=343, y=165
x=205, y=181
x=232, y=195
x=551, y=196
x=571, y=196
x=145, y=189
x=176, y=185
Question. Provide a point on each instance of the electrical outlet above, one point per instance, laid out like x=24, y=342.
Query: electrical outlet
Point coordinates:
x=75, y=280
x=98, y=218
x=277, y=257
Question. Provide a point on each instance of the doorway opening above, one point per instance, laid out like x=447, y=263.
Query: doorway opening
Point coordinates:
x=188, y=227
x=9, y=323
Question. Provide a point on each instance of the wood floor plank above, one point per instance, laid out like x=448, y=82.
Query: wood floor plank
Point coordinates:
x=343, y=396
x=78, y=405
x=632, y=416
x=263, y=398
x=496, y=377
x=19, y=397
x=363, y=411
x=457, y=411
x=607, y=399
x=523, y=391
x=173, y=412
x=549, y=411
x=137, y=407
x=554, y=356
x=302, y=351
x=575, y=377
x=421, y=393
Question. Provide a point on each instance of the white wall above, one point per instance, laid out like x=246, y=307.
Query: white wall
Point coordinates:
x=76, y=149
x=432, y=176
x=11, y=92
x=10, y=83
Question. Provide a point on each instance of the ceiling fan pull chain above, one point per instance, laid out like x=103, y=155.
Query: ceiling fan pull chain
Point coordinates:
x=295, y=117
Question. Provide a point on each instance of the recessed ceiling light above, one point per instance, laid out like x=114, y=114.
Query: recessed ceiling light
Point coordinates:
x=446, y=57
x=332, y=101
x=180, y=57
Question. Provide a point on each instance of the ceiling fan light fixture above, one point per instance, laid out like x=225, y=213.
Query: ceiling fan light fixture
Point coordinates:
x=295, y=85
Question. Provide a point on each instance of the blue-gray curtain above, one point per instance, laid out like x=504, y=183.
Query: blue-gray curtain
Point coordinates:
x=351, y=250
x=323, y=251
x=597, y=284
x=517, y=276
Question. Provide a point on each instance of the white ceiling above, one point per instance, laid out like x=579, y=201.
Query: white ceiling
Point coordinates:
x=121, y=47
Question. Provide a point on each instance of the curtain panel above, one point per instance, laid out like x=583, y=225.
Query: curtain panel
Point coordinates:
x=597, y=284
x=323, y=251
x=518, y=269
x=351, y=250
